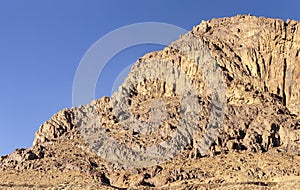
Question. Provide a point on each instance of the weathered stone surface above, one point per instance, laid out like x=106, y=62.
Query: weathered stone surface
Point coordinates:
x=259, y=134
x=258, y=54
x=57, y=126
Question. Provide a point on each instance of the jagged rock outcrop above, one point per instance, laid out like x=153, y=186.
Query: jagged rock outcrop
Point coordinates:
x=257, y=54
x=243, y=74
x=58, y=125
x=254, y=56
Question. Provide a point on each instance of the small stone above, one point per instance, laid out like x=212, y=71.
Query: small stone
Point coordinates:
x=31, y=156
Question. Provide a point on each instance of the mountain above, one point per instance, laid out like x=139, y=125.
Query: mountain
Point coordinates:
x=217, y=108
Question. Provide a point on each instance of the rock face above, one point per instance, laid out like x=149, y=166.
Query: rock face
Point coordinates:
x=257, y=53
x=58, y=125
x=227, y=90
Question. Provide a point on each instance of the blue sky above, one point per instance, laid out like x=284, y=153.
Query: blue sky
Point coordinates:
x=42, y=43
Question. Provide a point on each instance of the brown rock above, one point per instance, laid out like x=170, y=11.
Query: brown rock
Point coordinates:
x=258, y=58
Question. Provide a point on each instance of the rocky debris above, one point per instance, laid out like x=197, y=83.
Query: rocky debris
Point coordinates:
x=254, y=133
x=18, y=159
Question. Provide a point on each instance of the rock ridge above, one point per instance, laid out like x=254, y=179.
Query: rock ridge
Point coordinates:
x=259, y=64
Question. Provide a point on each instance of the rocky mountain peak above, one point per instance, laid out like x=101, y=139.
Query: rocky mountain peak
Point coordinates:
x=218, y=106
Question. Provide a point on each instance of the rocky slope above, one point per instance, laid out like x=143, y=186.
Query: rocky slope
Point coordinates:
x=228, y=116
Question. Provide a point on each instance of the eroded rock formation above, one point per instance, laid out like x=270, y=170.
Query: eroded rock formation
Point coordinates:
x=257, y=113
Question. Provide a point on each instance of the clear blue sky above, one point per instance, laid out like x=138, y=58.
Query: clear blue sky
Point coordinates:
x=43, y=41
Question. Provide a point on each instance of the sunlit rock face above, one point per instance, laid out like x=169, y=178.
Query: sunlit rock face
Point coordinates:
x=205, y=107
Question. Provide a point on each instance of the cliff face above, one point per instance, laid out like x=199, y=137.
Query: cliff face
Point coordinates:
x=257, y=61
x=230, y=85
x=258, y=53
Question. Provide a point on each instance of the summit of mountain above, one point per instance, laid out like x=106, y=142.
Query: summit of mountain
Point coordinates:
x=219, y=107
